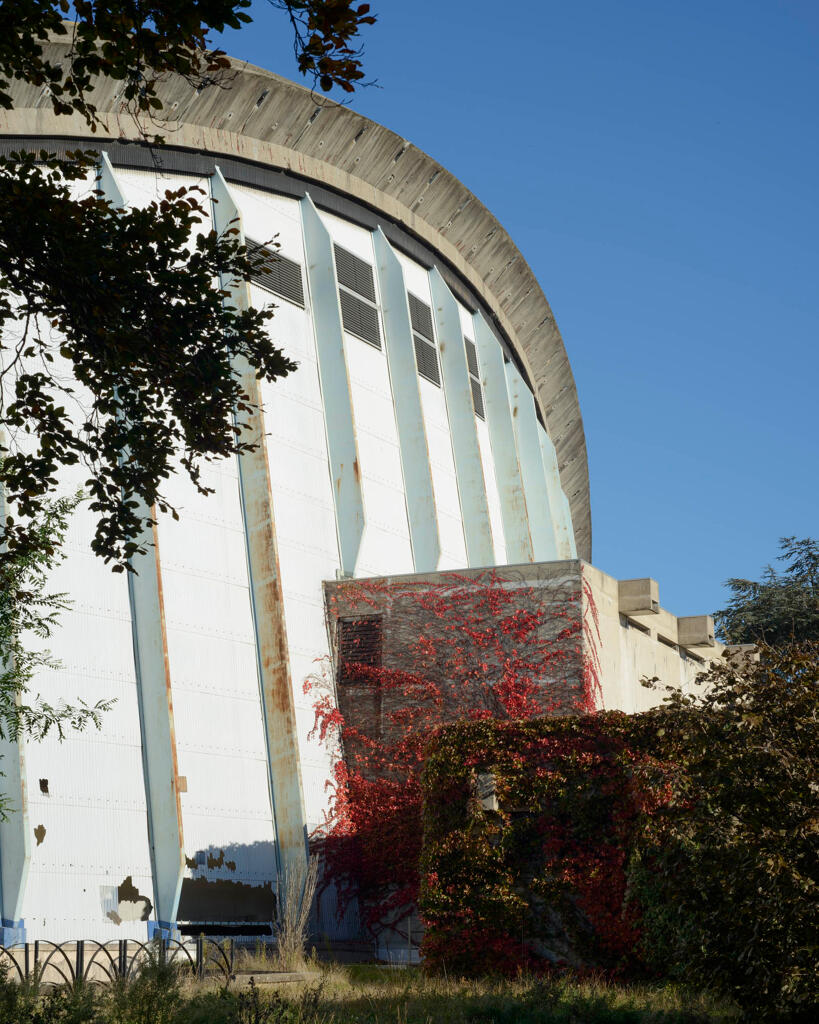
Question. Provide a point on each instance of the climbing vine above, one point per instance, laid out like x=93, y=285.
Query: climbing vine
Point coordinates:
x=488, y=647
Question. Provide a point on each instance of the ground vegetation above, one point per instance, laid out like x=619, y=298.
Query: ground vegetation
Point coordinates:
x=364, y=995
x=726, y=873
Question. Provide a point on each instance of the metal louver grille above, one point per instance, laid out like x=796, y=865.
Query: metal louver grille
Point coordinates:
x=474, y=377
x=472, y=359
x=427, y=360
x=359, y=646
x=477, y=397
x=280, y=275
x=420, y=317
x=359, y=318
x=354, y=273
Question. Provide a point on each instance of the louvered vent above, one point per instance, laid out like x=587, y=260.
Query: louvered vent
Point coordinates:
x=280, y=275
x=359, y=647
x=421, y=317
x=424, y=339
x=474, y=377
x=354, y=273
x=427, y=360
x=356, y=291
x=359, y=318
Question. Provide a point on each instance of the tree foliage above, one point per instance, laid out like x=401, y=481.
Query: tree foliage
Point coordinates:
x=779, y=608
x=136, y=43
x=727, y=872
x=117, y=350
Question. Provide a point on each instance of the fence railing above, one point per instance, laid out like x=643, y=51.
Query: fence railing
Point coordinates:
x=100, y=962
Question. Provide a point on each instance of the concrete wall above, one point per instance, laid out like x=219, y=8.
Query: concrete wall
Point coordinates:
x=618, y=649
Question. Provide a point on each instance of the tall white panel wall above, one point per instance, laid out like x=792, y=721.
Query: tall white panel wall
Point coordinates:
x=442, y=462
x=88, y=822
x=301, y=486
x=386, y=534
x=86, y=797
x=492, y=494
x=226, y=812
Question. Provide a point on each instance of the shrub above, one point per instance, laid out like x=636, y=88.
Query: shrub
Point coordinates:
x=726, y=872
x=533, y=871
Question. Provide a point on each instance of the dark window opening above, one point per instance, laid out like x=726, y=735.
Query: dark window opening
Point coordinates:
x=360, y=646
x=279, y=275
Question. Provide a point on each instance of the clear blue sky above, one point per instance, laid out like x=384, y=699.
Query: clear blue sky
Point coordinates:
x=658, y=166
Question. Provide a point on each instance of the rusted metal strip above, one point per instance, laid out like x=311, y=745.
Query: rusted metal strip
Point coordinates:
x=265, y=588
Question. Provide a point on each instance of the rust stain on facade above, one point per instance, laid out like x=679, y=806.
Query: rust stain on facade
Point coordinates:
x=166, y=661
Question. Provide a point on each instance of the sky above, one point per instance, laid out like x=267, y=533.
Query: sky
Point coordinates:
x=657, y=164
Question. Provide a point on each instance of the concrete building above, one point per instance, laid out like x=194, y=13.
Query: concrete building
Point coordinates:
x=432, y=425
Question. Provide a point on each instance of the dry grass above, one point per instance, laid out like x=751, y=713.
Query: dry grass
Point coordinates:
x=373, y=995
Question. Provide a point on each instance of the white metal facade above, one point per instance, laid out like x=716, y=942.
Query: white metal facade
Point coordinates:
x=373, y=470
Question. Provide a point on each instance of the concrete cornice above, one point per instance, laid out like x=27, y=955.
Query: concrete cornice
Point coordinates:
x=261, y=117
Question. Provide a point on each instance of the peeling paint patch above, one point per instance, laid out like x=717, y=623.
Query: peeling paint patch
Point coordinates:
x=216, y=862
x=191, y=862
x=39, y=833
x=44, y=787
x=131, y=904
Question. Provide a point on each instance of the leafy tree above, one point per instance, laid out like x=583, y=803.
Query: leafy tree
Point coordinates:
x=726, y=873
x=117, y=351
x=113, y=338
x=782, y=606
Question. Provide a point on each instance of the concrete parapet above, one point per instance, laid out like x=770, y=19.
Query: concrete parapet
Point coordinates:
x=639, y=597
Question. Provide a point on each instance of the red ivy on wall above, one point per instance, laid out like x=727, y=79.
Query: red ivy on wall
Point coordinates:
x=491, y=647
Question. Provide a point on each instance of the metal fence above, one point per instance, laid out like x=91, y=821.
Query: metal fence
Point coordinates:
x=101, y=962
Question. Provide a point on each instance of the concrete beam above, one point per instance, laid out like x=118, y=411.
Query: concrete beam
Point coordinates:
x=335, y=387
x=696, y=631
x=461, y=414
x=502, y=441
x=15, y=837
x=530, y=455
x=153, y=679
x=558, y=505
x=159, y=759
x=267, y=601
x=639, y=597
x=409, y=414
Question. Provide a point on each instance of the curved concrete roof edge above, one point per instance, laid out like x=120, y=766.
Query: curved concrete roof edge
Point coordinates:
x=259, y=116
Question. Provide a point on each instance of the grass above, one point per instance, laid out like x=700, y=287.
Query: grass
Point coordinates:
x=362, y=995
